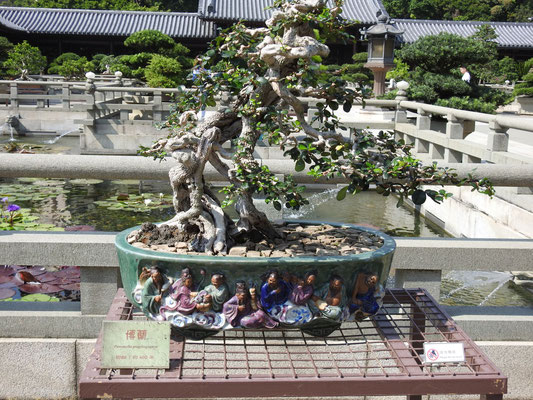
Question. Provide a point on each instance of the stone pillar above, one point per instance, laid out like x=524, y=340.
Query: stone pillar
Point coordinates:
x=420, y=278
x=498, y=139
x=65, y=96
x=401, y=113
x=379, y=82
x=423, y=120
x=98, y=288
x=14, y=95
x=454, y=128
x=158, y=105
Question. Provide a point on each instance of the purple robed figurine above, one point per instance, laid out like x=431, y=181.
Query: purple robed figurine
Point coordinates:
x=242, y=310
x=274, y=292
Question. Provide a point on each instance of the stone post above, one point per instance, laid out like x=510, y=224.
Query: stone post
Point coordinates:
x=498, y=139
x=454, y=127
x=65, y=96
x=158, y=105
x=13, y=95
x=423, y=120
x=401, y=95
x=89, y=126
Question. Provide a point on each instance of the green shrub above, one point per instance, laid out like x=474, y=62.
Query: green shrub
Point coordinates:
x=149, y=41
x=525, y=88
x=25, y=57
x=400, y=71
x=60, y=60
x=75, y=69
x=164, y=72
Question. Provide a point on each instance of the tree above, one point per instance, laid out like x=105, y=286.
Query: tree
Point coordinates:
x=526, y=88
x=434, y=71
x=266, y=69
x=25, y=59
x=159, y=61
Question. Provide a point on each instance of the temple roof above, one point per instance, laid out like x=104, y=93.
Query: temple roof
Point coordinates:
x=104, y=22
x=510, y=34
x=363, y=11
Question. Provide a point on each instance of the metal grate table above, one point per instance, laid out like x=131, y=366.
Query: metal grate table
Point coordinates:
x=381, y=356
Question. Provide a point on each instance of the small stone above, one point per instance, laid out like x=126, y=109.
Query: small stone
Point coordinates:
x=277, y=253
x=181, y=251
x=299, y=228
x=266, y=253
x=239, y=251
x=181, y=245
x=253, y=254
x=261, y=247
x=293, y=236
x=324, y=252
x=139, y=245
x=131, y=239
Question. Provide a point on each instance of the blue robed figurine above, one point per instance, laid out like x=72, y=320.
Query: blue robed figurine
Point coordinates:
x=274, y=292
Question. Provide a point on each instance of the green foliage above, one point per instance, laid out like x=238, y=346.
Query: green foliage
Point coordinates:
x=149, y=41
x=130, y=5
x=356, y=72
x=75, y=69
x=461, y=10
x=147, y=64
x=434, y=70
x=525, y=88
x=443, y=52
x=400, y=71
x=24, y=57
x=164, y=72
x=53, y=68
x=5, y=48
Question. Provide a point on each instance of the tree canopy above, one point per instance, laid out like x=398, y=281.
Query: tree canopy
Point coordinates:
x=461, y=10
x=130, y=5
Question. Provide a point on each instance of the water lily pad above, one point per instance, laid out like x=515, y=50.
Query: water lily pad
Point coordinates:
x=39, y=297
x=70, y=286
x=6, y=278
x=85, y=181
x=7, y=293
x=6, y=270
x=39, y=288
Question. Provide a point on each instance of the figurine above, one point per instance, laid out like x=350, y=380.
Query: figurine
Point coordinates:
x=274, y=292
x=182, y=299
x=295, y=310
x=363, y=300
x=329, y=301
x=154, y=288
x=242, y=309
x=216, y=294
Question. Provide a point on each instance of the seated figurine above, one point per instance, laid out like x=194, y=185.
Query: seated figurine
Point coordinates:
x=328, y=302
x=153, y=290
x=182, y=298
x=216, y=294
x=363, y=301
x=295, y=310
x=242, y=309
x=274, y=292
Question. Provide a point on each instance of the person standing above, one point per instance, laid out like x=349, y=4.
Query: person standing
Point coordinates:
x=466, y=75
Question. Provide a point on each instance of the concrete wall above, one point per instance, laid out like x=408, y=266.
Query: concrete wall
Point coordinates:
x=45, y=121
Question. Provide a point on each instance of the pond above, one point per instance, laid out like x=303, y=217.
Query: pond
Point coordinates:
x=80, y=204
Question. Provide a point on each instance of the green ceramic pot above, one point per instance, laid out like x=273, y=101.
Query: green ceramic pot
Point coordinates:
x=253, y=272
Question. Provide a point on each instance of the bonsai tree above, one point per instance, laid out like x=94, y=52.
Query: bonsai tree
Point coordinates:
x=24, y=59
x=526, y=88
x=264, y=71
x=159, y=60
x=434, y=63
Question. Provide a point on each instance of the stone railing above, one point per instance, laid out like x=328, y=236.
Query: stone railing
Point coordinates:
x=450, y=145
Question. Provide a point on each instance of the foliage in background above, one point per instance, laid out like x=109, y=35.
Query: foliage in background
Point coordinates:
x=71, y=66
x=400, y=72
x=434, y=75
x=355, y=73
x=159, y=60
x=460, y=10
x=131, y=5
x=24, y=57
x=526, y=88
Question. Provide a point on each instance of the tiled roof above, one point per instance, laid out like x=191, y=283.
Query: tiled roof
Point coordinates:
x=510, y=34
x=104, y=22
x=363, y=11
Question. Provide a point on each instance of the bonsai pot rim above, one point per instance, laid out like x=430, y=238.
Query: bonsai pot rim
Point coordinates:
x=389, y=245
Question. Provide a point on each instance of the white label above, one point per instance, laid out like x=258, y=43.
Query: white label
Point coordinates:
x=443, y=352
